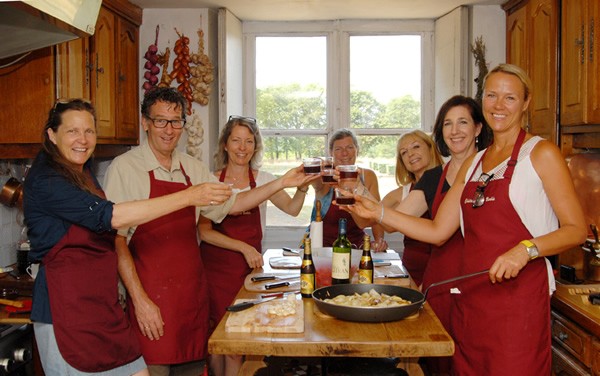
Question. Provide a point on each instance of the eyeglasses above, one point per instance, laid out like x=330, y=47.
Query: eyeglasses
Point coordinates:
x=242, y=118
x=162, y=123
x=479, y=198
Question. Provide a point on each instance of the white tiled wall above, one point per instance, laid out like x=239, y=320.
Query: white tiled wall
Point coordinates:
x=10, y=233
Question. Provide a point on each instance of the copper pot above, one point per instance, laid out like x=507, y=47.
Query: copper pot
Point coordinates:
x=11, y=192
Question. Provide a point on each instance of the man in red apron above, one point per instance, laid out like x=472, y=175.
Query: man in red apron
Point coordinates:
x=162, y=268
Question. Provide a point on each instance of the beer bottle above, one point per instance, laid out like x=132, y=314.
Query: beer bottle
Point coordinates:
x=307, y=272
x=365, y=268
x=342, y=250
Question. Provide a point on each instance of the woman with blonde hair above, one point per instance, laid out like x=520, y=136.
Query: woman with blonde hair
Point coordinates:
x=515, y=204
x=416, y=153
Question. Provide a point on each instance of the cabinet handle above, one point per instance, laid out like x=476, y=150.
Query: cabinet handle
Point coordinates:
x=563, y=336
x=591, y=42
x=98, y=70
x=88, y=68
x=581, y=44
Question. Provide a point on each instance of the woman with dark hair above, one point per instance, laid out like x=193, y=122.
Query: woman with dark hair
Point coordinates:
x=79, y=325
x=515, y=203
x=459, y=132
x=232, y=248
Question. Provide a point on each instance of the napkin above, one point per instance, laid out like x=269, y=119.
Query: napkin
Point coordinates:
x=316, y=234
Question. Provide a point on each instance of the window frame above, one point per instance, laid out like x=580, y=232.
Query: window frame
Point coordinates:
x=338, y=35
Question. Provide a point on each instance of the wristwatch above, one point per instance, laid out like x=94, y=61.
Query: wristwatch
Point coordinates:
x=532, y=250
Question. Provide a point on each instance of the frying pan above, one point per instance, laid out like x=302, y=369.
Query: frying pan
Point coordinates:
x=376, y=314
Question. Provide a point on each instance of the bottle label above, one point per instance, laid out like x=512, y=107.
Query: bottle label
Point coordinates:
x=307, y=284
x=340, y=266
x=365, y=276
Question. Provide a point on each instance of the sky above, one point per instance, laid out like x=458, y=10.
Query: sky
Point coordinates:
x=388, y=66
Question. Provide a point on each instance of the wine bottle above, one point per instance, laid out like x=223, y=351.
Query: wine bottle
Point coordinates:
x=340, y=263
x=365, y=268
x=307, y=272
x=316, y=227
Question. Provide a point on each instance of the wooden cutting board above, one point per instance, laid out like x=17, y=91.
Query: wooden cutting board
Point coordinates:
x=258, y=319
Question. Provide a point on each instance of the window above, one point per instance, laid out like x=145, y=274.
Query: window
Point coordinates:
x=304, y=80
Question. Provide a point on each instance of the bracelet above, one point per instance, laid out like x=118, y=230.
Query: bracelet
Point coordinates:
x=381, y=215
x=303, y=191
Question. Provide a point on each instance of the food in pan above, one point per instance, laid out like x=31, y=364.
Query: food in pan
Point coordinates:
x=368, y=299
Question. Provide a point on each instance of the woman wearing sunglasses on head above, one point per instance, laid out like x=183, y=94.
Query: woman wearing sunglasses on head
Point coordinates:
x=79, y=325
x=232, y=248
x=514, y=203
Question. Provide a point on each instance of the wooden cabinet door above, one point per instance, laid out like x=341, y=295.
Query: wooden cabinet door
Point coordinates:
x=74, y=69
x=28, y=94
x=516, y=44
x=542, y=36
x=127, y=66
x=580, y=68
x=103, y=73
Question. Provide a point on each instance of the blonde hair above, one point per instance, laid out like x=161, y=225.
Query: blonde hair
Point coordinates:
x=403, y=176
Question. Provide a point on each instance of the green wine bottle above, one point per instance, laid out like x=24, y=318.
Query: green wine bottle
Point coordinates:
x=342, y=250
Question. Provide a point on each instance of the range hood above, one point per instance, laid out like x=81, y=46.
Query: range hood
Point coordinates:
x=33, y=24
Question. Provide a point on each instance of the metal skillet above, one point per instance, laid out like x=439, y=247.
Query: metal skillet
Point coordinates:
x=376, y=314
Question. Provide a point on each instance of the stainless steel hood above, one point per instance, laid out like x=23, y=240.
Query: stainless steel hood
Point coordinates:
x=32, y=24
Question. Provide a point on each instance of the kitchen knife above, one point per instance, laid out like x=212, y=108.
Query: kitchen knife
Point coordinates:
x=251, y=303
x=273, y=277
x=281, y=284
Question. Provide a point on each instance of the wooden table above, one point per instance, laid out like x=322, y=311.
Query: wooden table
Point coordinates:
x=325, y=336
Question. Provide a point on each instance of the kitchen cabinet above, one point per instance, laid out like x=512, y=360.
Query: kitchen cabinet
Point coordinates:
x=575, y=332
x=533, y=36
x=102, y=68
x=580, y=76
x=107, y=68
x=27, y=89
x=532, y=44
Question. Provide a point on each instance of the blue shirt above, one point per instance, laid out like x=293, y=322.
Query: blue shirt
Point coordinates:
x=51, y=204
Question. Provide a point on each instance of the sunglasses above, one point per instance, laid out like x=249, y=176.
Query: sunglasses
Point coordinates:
x=479, y=198
x=242, y=118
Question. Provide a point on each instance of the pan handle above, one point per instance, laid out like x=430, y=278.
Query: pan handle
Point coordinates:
x=453, y=279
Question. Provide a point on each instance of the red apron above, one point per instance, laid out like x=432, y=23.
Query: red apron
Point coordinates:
x=443, y=264
x=92, y=331
x=331, y=222
x=416, y=255
x=502, y=328
x=168, y=263
x=226, y=270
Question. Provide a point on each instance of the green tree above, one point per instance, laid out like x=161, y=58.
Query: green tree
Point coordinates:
x=403, y=112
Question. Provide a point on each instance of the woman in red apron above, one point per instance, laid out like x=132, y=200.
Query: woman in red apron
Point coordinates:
x=459, y=131
x=232, y=248
x=79, y=324
x=501, y=320
x=343, y=147
x=416, y=153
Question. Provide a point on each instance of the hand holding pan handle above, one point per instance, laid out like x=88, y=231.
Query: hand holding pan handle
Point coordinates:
x=452, y=280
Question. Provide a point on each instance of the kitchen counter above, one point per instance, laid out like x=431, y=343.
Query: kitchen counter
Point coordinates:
x=572, y=302
x=24, y=284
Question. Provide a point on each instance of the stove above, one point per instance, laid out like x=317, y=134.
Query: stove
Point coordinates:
x=16, y=350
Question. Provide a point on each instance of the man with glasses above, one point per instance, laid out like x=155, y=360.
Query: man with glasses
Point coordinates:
x=159, y=262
